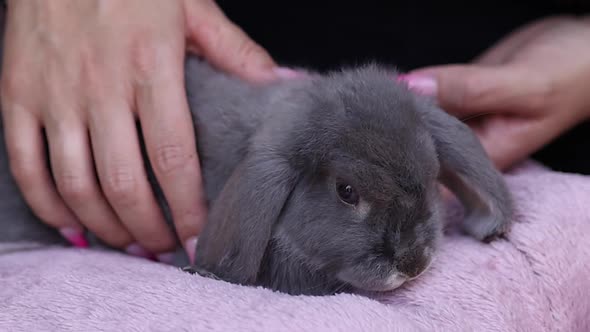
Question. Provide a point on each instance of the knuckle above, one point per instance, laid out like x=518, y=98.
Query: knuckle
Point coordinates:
x=547, y=95
x=74, y=187
x=210, y=31
x=144, y=58
x=11, y=86
x=25, y=173
x=248, y=50
x=121, y=186
x=91, y=70
x=169, y=158
x=473, y=88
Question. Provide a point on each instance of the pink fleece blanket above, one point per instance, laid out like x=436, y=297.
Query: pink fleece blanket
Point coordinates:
x=536, y=280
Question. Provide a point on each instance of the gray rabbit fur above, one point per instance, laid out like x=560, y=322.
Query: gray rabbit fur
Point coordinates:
x=318, y=185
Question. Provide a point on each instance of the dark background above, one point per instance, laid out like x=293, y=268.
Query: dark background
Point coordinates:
x=407, y=34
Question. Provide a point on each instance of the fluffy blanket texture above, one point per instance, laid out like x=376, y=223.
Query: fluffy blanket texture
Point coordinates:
x=538, y=279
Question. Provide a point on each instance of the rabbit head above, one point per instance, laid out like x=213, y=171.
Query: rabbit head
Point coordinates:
x=342, y=178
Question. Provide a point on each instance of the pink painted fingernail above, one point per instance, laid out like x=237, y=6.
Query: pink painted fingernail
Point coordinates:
x=287, y=73
x=135, y=249
x=166, y=258
x=401, y=77
x=190, y=246
x=424, y=85
x=74, y=236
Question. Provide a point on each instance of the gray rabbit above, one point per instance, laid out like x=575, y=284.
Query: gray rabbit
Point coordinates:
x=318, y=185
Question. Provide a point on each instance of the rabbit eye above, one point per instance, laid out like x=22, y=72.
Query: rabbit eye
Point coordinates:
x=347, y=193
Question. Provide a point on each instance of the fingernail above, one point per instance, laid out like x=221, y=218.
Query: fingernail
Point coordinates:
x=74, y=236
x=135, y=249
x=190, y=246
x=287, y=73
x=167, y=257
x=424, y=85
x=401, y=77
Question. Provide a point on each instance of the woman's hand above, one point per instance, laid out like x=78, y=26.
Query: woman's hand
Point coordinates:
x=523, y=92
x=84, y=72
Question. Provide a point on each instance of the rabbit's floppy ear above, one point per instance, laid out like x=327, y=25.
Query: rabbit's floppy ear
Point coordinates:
x=233, y=243
x=469, y=173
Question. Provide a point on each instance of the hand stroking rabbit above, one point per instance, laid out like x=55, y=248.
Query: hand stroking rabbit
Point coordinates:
x=318, y=185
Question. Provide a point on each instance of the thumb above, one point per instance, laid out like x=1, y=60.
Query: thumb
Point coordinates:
x=472, y=89
x=225, y=45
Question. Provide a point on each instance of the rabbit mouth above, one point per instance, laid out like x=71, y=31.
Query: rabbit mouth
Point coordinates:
x=381, y=282
x=393, y=281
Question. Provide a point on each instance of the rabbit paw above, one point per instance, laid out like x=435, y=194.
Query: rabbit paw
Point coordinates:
x=486, y=228
x=200, y=271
